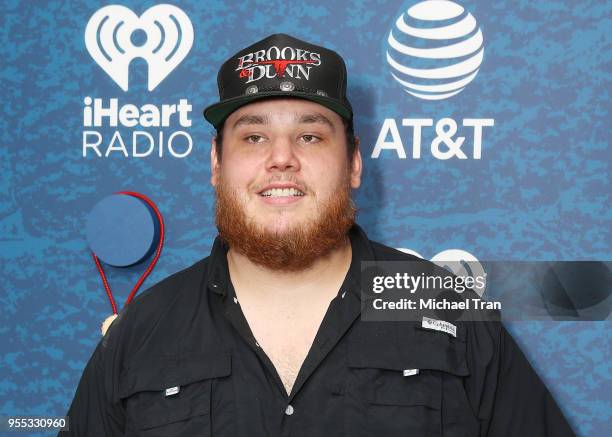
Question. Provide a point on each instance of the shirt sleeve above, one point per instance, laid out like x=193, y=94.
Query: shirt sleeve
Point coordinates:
x=510, y=399
x=96, y=409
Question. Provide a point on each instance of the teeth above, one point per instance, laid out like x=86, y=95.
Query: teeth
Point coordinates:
x=282, y=192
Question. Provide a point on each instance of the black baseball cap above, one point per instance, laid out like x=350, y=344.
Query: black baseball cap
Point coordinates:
x=281, y=66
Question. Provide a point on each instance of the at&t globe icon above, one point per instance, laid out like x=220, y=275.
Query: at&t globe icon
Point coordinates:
x=435, y=49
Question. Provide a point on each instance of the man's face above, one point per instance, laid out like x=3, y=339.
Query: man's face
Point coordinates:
x=284, y=167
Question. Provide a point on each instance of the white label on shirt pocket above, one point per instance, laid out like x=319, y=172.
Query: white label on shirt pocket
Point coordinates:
x=172, y=390
x=439, y=325
x=410, y=372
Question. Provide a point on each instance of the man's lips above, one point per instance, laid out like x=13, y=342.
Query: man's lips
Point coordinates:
x=281, y=200
x=281, y=193
x=287, y=188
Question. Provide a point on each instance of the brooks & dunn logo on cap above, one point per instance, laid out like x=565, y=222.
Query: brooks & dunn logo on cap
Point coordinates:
x=281, y=66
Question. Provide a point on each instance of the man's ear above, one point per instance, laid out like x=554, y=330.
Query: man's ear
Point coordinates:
x=214, y=163
x=356, y=165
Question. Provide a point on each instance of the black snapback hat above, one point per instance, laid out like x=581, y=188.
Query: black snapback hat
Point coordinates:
x=281, y=66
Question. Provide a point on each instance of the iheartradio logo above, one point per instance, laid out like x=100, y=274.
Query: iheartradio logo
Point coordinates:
x=111, y=37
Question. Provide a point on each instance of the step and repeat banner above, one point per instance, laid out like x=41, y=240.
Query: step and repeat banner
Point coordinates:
x=484, y=131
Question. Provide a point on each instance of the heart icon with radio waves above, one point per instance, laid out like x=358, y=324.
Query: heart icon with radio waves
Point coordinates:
x=168, y=37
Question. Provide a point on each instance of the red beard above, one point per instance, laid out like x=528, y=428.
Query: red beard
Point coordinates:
x=291, y=251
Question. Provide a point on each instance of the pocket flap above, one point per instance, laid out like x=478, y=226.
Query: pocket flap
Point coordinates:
x=400, y=346
x=162, y=373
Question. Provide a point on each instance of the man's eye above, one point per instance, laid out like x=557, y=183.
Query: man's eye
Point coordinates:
x=310, y=138
x=254, y=139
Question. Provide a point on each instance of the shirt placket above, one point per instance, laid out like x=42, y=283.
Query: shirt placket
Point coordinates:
x=342, y=312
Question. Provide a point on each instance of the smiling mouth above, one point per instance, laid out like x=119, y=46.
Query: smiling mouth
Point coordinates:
x=282, y=192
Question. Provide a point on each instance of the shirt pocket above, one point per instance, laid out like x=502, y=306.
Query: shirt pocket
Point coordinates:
x=172, y=396
x=395, y=387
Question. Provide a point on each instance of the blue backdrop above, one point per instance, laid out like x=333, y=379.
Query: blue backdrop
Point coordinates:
x=539, y=191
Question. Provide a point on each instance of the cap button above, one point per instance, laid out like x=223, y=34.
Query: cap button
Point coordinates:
x=287, y=86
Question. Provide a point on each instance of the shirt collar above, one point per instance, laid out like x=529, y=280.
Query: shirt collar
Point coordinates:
x=218, y=279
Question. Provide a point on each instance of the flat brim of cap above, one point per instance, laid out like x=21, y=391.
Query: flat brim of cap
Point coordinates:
x=218, y=112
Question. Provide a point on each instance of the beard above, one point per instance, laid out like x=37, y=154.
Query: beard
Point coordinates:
x=297, y=247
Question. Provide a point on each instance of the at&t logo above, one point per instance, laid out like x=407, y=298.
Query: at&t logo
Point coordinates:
x=435, y=49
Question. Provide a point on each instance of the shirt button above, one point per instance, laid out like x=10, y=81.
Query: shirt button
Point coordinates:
x=289, y=410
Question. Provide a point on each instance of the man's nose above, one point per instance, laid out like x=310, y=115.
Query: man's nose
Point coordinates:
x=282, y=155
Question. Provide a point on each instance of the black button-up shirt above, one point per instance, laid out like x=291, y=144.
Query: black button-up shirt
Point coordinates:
x=181, y=360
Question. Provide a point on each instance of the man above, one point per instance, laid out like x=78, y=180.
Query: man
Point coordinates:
x=264, y=337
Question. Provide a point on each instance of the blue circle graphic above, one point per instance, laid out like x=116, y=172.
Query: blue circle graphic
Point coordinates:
x=122, y=230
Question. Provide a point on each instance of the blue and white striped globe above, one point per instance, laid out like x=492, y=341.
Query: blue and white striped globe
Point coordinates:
x=435, y=49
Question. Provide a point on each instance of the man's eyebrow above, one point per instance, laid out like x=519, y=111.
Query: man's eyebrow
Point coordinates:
x=251, y=119
x=315, y=118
